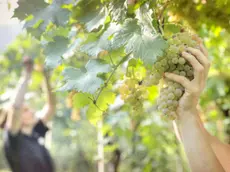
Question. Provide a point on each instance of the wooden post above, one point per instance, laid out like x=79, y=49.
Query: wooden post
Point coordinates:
x=100, y=147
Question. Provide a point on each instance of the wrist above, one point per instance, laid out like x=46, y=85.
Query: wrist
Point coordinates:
x=187, y=114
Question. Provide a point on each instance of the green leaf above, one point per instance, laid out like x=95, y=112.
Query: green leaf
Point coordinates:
x=27, y=7
x=144, y=16
x=94, y=113
x=95, y=19
x=53, y=13
x=59, y=31
x=92, y=48
x=54, y=51
x=143, y=45
x=101, y=44
x=117, y=10
x=80, y=100
x=85, y=79
x=105, y=39
x=146, y=47
x=127, y=31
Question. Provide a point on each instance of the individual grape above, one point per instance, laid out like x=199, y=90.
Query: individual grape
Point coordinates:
x=173, y=49
x=158, y=65
x=172, y=115
x=169, y=102
x=171, y=88
x=172, y=67
x=124, y=89
x=171, y=108
x=177, y=85
x=176, y=72
x=164, y=62
x=181, y=61
x=180, y=67
x=175, y=60
x=165, y=111
x=189, y=73
x=178, y=92
x=181, y=48
x=171, y=96
x=175, y=103
x=131, y=83
x=182, y=73
x=187, y=68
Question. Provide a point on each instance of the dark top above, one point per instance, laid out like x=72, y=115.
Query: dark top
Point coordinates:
x=25, y=154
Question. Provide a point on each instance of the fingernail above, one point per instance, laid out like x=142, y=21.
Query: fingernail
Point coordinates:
x=184, y=52
x=166, y=74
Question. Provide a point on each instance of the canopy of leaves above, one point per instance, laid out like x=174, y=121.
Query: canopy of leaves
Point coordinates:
x=84, y=42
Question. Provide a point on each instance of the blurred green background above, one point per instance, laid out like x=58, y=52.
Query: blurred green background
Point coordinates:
x=151, y=146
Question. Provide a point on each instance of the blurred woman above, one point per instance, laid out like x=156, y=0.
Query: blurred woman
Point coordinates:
x=23, y=150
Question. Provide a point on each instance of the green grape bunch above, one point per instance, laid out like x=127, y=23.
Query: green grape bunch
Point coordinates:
x=133, y=92
x=173, y=62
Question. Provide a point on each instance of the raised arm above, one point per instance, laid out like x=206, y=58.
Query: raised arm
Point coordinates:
x=196, y=141
x=50, y=107
x=14, y=114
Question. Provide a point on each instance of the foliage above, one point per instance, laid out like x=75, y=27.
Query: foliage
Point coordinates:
x=91, y=46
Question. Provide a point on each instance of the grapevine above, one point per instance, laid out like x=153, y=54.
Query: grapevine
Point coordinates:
x=134, y=90
x=172, y=61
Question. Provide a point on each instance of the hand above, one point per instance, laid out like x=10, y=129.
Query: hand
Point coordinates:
x=198, y=58
x=28, y=64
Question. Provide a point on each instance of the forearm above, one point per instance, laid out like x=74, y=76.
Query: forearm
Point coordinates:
x=197, y=144
x=14, y=115
x=51, y=101
x=50, y=107
x=18, y=100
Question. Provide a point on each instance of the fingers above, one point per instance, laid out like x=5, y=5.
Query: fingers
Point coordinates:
x=179, y=79
x=204, y=50
x=198, y=68
x=200, y=56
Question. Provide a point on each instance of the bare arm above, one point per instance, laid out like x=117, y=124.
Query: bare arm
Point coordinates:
x=196, y=142
x=198, y=149
x=50, y=108
x=221, y=149
x=14, y=114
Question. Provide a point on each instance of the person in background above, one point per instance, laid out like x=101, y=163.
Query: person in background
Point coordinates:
x=22, y=129
x=205, y=153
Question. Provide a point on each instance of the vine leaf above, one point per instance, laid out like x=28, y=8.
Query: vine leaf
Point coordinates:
x=94, y=20
x=85, y=79
x=101, y=44
x=92, y=48
x=53, y=13
x=27, y=7
x=122, y=36
x=54, y=51
x=106, y=98
x=147, y=47
x=80, y=100
x=142, y=44
x=117, y=10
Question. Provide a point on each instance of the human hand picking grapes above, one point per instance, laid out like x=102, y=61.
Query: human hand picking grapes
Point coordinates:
x=198, y=58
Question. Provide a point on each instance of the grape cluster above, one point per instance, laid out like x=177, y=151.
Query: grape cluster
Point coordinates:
x=172, y=62
x=133, y=92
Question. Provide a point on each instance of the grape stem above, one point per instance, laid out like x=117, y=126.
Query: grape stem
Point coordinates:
x=109, y=78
